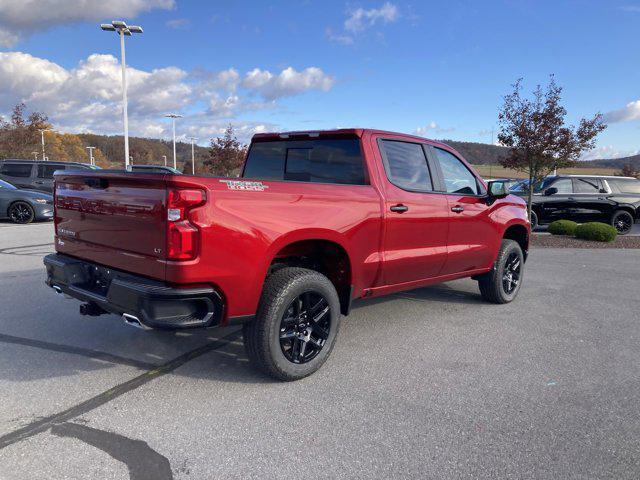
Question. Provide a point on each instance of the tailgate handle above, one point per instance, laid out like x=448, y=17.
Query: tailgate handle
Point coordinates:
x=100, y=183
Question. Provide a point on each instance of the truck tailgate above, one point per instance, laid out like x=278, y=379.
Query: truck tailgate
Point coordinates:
x=114, y=219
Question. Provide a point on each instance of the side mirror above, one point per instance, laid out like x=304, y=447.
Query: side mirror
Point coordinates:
x=497, y=189
x=551, y=191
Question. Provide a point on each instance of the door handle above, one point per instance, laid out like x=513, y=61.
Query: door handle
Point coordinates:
x=570, y=198
x=39, y=182
x=457, y=209
x=399, y=208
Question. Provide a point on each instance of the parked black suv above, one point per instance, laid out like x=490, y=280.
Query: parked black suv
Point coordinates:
x=36, y=174
x=585, y=198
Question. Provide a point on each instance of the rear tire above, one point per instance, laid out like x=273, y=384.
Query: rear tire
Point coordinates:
x=502, y=284
x=297, y=322
x=21, y=212
x=622, y=221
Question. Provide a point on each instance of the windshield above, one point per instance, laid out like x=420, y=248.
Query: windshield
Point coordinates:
x=7, y=185
x=523, y=185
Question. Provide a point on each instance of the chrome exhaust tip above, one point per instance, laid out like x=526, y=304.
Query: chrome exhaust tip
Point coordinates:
x=57, y=289
x=134, y=321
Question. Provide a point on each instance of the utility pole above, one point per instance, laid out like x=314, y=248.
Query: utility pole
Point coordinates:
x=173, y=117
x=122, y=29
x=42, y=130
x=193, y=155
x=91, y=161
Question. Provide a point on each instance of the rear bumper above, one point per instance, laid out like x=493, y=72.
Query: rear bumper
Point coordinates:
x=152, y=303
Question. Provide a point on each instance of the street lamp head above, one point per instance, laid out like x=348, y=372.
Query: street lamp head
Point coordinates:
x=119, y=26
x=173, y=115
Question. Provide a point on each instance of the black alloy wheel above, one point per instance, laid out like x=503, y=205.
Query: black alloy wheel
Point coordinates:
x=21, y=212
x=623, y=222
x=305, y=327
x=511, y=273
x=503, y=282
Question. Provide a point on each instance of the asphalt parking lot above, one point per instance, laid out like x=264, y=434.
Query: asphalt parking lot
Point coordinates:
x=428, y=384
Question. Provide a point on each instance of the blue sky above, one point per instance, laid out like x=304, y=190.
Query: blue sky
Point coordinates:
x=436, y=68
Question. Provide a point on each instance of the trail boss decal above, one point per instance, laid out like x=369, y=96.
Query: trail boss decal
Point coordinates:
x=244, y=185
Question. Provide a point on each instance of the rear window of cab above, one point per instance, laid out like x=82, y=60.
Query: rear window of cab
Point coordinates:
x=321, y=160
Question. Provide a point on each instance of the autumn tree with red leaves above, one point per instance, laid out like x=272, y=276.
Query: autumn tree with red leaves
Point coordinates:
x=535, y=130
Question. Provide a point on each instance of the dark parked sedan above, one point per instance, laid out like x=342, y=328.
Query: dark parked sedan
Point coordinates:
x=24, y=206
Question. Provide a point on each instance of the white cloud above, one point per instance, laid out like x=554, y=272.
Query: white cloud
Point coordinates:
x=361, y=19
x=631, y=111
x=19, y=18
x=288, y=82
x=179, y=23
x=431, y=127
x=607, y=152
x=342, y=38
x=87, y=98
x=630, y=8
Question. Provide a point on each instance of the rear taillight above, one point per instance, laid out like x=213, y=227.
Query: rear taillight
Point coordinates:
x=183, y=236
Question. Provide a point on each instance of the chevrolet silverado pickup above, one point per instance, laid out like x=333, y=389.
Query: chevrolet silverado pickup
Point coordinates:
x=316, y=220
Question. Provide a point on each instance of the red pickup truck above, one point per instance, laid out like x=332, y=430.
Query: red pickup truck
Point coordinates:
x=317, y=220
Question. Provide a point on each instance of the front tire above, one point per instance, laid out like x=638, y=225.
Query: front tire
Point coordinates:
x=502, y=284
x=296, y=325
x=622, y=221
x=21, y=212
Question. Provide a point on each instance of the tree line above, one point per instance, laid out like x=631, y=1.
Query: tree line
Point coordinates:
x=20, y=138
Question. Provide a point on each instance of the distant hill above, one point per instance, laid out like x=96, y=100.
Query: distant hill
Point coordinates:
x=485, y=154
x=145, y=151
x=479, y=153
x=633, y=160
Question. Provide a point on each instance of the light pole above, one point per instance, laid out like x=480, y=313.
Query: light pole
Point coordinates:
x=42, y=130
x=91, y=161
x=122, y=29
x=173, y=117
x=193, y=155
x=165, y=160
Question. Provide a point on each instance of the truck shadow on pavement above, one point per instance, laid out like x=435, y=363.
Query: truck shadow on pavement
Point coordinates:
x=106, y=342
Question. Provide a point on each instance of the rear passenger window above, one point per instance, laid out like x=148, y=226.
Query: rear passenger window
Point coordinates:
x=406, y=165
x=586, y=185
x=457, y=177
x=46, y=171
x=321, y=161
x=20, y=170
x=563, y=185
x=624, y=186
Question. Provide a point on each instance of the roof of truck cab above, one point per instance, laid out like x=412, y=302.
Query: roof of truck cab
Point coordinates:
x=359, y=132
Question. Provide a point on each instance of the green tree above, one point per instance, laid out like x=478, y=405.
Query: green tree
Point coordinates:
x=629, y=170
x=19, y=137
x=535, y=131
x=226, y=155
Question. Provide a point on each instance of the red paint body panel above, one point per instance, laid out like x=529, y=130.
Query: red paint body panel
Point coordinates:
x=119, y=220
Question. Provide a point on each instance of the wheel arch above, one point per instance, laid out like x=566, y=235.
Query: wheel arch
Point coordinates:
x=519, y=233
x=19, y=200
x=321, y=251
